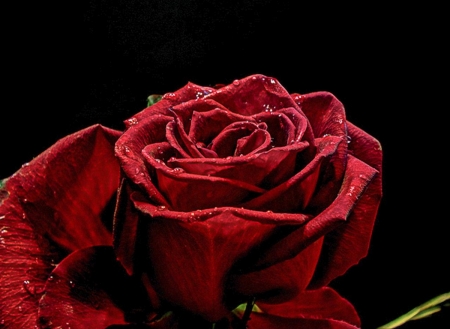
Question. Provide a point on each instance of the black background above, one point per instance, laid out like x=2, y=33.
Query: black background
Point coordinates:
x=72, y=64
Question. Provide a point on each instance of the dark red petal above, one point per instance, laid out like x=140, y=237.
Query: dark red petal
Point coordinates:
x=206, y=125
x=252, y=95
x=25, y=263
x=268, y=168
x=350, y=242
x=357, y=178
x=267, y=321
x=89, y=289
x=129, y=146
x=203, y=191
x=281, y=281
x=323, y=303
x=59, y=195
x=224, y=144
x=295, y=193
x=266, y=217
x=179, y=140
x=64, y=190
x=325, y=113
x=125, y=229
x=258, y=141
x=189, y=260
x=188, y=92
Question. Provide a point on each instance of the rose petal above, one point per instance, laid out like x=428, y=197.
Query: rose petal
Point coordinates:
x=190, y=91
x=357, y=178
x=268, y=168
x=62, y=180
x=278, y=283
x=267, y=321
x=346, y=245
x=25, y=262
x=150, y=130
x=323, y=303
x=190, y=259
x=203, y=191
x=208, y=124
x=325, y=113
x=225, y=143
x=64, y=190
x=295, y=193
x=89, y=289
x=315, y=309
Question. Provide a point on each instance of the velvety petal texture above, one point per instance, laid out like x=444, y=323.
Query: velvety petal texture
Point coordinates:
x=211, y=198
x=53, y=205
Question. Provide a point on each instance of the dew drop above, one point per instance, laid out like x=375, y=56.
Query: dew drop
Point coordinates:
x=272, y=81
x=169, y=95
x=20, y=308
x=72, y=284
x=3, y=216
x=236, y=82
x=178, y=170
x=25, y=165
x=269, y=211
x=51, y=278
x=161, y=208
x=132, y=121
x=349, y=139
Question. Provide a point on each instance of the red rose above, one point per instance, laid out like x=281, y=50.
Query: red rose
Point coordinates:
x=226, y=195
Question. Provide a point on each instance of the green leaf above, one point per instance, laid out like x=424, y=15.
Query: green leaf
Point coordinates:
x=152, y=99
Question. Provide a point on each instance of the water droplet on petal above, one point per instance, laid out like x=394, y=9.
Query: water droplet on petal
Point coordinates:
x=132, y=121
x=236, y=82
x=178, y=170
x=161, y=208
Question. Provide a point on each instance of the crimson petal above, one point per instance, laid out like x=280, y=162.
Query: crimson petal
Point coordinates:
x=203, y=191
x=90, y=290
x=65, y=189
x=315, y=309
x=280, y=282
x=55, y=201
x=190, y=259
x=351, y=241
x=295, y=193
x=357, y=178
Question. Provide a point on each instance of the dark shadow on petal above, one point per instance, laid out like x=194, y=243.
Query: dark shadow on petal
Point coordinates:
x=90, y=289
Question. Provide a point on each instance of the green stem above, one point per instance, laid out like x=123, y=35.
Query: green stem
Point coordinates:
x=430, y=307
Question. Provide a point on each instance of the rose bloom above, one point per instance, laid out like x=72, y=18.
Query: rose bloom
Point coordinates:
x=211, y=203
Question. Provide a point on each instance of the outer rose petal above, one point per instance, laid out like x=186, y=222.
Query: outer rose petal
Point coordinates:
x=345, y=246
x=54, y=201
x=357, y=177
x=315, y=309
x=89, y=289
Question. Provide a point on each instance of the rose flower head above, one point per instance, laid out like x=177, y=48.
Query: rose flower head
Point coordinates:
x=231, y=206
